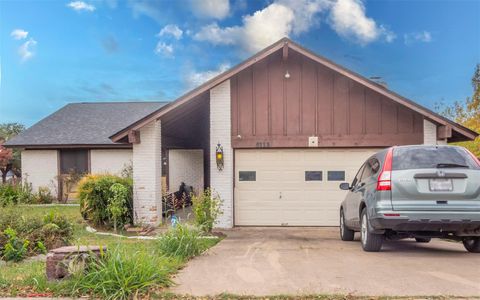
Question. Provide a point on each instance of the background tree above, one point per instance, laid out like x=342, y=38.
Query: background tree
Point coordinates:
x=467, y=113
x=9, y=159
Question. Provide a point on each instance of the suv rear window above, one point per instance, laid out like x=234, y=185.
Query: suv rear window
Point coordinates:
x=405, y=158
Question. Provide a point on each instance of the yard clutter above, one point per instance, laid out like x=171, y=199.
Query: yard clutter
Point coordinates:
x=65, y=261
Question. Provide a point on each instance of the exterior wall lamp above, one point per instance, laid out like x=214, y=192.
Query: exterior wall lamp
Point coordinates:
x=219, y=157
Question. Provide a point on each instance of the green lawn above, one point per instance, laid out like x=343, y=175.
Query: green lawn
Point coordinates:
x=28, y=277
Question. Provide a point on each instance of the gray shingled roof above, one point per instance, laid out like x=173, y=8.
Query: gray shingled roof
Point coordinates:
x=84, y=123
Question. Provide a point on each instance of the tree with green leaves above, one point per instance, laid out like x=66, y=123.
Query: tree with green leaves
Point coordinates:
x=9, y=159
x=467, y=113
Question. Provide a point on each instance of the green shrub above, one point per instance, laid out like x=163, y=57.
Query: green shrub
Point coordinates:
x=95, y=193
x=122, y=275
x=13, y=194
x=15, y=249
x=51, y=231
x=117, y=204
x=182, y=242
x=43, y=196
x=206, y=208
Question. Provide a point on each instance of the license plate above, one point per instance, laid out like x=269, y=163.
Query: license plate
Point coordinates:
x=441, y=185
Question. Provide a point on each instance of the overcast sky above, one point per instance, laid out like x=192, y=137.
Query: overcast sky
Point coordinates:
x=56, y=52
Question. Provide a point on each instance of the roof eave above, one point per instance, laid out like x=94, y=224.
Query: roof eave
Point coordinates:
x=68, y=146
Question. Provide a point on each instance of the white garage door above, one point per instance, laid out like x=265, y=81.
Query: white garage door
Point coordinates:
x=293, y=187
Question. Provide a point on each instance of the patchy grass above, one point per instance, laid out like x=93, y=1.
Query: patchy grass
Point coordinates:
x=169, y=296
x=144, y=267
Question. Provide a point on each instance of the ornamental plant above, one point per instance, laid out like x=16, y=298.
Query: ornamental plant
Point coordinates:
x=15, y=249
x=206, y=208
x=117, y=204
x=102, y=205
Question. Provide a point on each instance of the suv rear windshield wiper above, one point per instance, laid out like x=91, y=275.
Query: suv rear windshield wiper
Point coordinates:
x=451, y=165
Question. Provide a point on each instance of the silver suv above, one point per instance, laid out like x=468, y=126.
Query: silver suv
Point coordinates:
x=419, y=192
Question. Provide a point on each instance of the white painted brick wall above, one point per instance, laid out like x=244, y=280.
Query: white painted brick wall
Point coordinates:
x=220, y=132
x=40, y=168
x=430, y=134
x=185, y=165
x=111, y=161
x=147, y=173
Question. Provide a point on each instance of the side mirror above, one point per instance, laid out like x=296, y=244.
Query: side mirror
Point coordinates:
x=345, y=186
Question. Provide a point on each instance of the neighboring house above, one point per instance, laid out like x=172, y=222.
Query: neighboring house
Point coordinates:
x=292, y=126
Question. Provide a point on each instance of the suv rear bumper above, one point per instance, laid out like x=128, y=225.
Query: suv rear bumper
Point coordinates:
x=426, y=221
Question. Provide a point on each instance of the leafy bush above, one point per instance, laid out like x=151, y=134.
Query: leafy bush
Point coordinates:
x=15, y=249
x=122, y=275
x=95, y=193
x=12, y=194
x=51, y=231
x=207, y=208
x=117, y=204
x=181, y=241
x=43, y=196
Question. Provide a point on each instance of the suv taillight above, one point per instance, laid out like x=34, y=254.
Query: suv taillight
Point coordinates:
x=384, y=182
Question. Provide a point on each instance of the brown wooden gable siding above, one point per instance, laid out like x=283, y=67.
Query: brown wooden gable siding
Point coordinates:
x=271, y=111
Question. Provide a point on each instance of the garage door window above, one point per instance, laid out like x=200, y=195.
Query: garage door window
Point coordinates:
x=313, y=176
x=247, y=176
x=336, y=175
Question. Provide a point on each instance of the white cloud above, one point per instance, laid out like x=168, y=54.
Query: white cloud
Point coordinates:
x=348, y=18
x=422, y=36
x=258, y=30
x=171, y=29
x=80, y=5
x=19, y=34
x=195, y=78
x=210, y=9
x=25, y=50
x=219, y=36
x=306, y=13
x=284, y=18
x=267, y=26
x=164, y=49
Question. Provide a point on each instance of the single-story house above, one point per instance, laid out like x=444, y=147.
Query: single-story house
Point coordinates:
x=273, y=136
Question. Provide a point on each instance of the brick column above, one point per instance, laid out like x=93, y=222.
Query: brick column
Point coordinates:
x=220, y=132
x=147, y=175
x=430, y=134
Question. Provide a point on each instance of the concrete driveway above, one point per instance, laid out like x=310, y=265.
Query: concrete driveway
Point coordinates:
x=287, y=261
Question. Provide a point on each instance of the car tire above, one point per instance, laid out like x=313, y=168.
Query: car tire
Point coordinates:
x=423, y=240
x=472, y=244
x=371, y=242
x=346, y=234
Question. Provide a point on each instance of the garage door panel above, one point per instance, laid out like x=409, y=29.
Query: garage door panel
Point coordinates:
x=280, y=195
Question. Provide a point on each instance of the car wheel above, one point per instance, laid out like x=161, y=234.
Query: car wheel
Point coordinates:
x=371, y=242
x=346, y=234
x=472, y=244
x=423, y=240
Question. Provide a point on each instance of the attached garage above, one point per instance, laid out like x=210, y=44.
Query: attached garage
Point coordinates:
x=293, y=187
x=279, y=132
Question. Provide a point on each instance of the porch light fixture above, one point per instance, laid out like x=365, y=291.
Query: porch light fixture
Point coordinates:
x=287, y=75
x=219, y=157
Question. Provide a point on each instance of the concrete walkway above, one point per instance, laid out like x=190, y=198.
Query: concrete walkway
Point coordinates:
x=294, y=261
